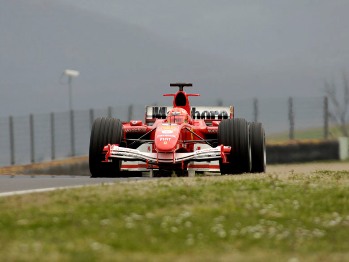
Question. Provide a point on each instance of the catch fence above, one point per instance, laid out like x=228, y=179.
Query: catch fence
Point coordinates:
x=44, y=137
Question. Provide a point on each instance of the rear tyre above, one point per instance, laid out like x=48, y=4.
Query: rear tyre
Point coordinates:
x=104, y=131
x=235, y=133
x=258, y=151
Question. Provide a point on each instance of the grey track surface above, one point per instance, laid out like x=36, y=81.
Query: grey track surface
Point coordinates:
x=18, y=183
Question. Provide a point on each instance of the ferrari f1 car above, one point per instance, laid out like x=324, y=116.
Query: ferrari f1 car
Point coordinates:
x=178, y=139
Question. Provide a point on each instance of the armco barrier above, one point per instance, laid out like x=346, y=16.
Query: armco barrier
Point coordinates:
x=307, y=151
x=74, y=166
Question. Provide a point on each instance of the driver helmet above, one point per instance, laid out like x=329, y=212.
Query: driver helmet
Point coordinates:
x=178, y=116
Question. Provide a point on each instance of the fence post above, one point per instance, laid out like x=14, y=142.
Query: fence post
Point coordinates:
x=12, y=141
x=72, y=133
x=32, y=141
x=255, y=110
x=130, y=112
x=291, y=117
x=53, y=145
x=110, y=111
x=92, y=117
x=326, y=117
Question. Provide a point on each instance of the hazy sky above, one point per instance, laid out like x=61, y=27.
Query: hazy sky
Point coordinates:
x=230, y=49
x=298, y=41
x=310, y=33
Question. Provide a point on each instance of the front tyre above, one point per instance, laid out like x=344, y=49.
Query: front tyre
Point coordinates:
x=235, y=133
x=104, y=131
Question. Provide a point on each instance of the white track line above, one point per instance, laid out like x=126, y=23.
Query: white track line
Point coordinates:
x=40, y=190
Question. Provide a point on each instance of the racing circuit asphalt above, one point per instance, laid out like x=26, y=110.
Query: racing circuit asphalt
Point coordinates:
x=21, y=184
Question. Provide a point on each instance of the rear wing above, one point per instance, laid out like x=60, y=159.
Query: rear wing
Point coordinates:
x=207, y=113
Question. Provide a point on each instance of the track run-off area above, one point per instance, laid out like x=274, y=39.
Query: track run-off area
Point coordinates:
x=13, y=184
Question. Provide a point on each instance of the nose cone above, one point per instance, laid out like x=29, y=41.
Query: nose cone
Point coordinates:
x=166, y=137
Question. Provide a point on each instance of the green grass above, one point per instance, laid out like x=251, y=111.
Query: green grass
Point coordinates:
x=292, y=217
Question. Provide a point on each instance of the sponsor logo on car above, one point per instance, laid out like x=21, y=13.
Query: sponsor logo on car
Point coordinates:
x=165, y=139
x=206, y=113
x=167, y=131
x=134, y=130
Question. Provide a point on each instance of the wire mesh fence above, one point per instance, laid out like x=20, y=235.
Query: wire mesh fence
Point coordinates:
x=44, y=137
x=305, y=117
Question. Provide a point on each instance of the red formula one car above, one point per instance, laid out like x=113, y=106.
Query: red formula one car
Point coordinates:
x=177, y=140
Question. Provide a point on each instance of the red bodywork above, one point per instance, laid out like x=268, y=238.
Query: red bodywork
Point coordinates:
x=171, y=138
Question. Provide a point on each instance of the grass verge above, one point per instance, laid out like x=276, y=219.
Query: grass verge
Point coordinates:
x=289, y=217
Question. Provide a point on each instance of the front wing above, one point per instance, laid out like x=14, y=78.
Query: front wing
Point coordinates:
x=129, y=154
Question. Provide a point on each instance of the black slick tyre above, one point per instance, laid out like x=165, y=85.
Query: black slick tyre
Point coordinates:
x=258, y=150
x=104, y=131
x=235, y=133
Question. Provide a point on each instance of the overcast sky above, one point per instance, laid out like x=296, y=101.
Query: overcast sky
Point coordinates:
x=310, y=33
x=235, y=49
x=300, y=41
